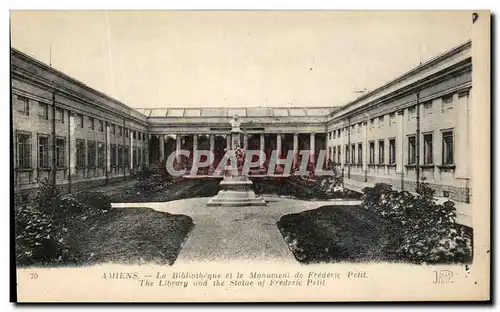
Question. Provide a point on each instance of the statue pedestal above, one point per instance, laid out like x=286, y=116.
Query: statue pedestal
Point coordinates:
x=236, y=192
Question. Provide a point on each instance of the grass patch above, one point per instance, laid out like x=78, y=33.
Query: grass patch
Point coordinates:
x=131, y=236
x=337, y=233
x=182, y=189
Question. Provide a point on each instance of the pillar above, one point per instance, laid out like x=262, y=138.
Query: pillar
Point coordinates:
x=131, y=151
x=262, y=146
x=278, y=145
x=177, y=147
x=72, y=143
x=342, y=149
x=212, y=150
x=365, y=147
x=147, y=148
x=295, y=148
x=312, y=148
x=400, y=138
x=108, y=149
x=228, y=142
x=162, y=146
x=195, y=143
x=245, y=141
x=461, y=136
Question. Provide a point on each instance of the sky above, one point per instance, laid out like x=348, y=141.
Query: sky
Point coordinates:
x=161, y=59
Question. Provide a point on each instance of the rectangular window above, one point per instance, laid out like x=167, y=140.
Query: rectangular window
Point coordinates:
x=126, y=151
x=60, y=152
x=411, y=150
x=447, y=103
x=125, y=130
x=338, y=154
x=392, y=151
x=428, y=107
x=447, y=98
x=381, y=152
x=43, y=151
x=381, y=122
x=428, y=149
x=113, y=155
x=91, y=150
x=80, y=153
x=353, y=153
x=79, y=120
x=334, y=154
x=334, y=133
x=100, y=154
x=120, y=133
x=43, y=110
x=372, y=153
x=448, y=148
x=133, y=134
x=392, y=119
x=372, y=123
x=101, y=125
x=412, y=113
x=23, y=150
x=113, y=129
x=22, y=105
x=360, y=153
x=91, y=123
x=60, y=115
x=120, y=156
x=134, y=158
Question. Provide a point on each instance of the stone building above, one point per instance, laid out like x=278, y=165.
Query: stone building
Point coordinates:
x=412, y=127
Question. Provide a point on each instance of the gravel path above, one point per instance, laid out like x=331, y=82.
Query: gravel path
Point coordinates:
x=228, y=233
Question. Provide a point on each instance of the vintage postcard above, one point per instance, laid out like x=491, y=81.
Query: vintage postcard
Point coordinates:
x=250, y=156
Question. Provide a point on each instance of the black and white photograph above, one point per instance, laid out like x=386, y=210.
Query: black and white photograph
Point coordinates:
x=333, y=146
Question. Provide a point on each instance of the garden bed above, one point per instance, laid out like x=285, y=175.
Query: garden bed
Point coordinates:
x=303, y=188
x=131, y=236
x=175, y=190
x=337, y=233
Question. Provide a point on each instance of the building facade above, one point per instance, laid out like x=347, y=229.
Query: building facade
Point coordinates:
x=414, y=127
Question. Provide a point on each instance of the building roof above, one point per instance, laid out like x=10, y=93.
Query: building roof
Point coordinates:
x=240, y=111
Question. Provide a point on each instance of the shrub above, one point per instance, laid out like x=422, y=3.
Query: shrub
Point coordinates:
x=93, y=202
x=37, y=236
x=44, y=196
x=42, y=235
x=143, y=173
x=427, y=232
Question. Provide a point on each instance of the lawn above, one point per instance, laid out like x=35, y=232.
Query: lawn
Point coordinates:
x=131, y=236
x=298, y=188
x=184, y=188
x=337, y=233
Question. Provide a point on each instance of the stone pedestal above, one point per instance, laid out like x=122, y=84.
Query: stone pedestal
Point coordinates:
x=236, y=192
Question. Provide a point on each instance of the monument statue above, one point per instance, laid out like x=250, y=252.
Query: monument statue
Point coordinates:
x=235, y=124
x=236, y=188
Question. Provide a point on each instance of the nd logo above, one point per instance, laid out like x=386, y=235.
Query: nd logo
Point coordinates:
x=443, y=277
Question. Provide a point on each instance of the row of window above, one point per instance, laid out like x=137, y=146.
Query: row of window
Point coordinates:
x=91, y=154
x=446, y=105
x=23, y=107
x=428, y=158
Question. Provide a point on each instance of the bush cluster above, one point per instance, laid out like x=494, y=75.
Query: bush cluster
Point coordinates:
x=149, y=181
x=42, y=225
x=427, y=231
